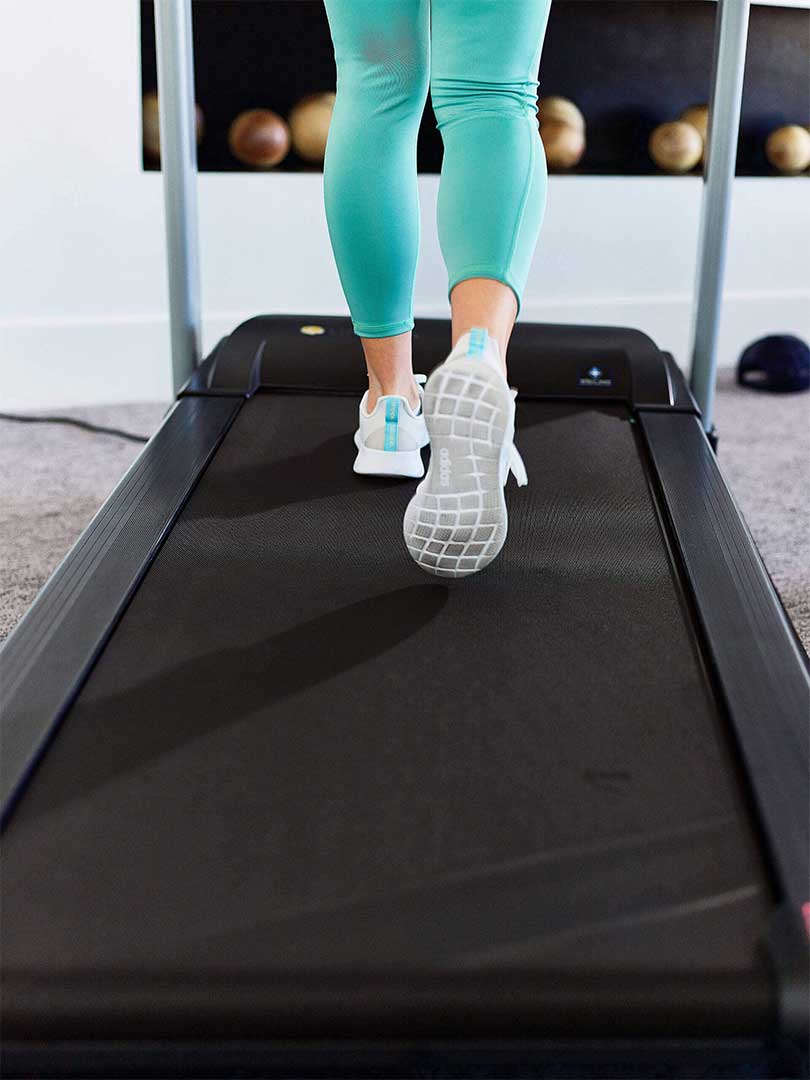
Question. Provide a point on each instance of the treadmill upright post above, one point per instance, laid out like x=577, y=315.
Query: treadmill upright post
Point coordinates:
x=731, y=36
x=178, y=153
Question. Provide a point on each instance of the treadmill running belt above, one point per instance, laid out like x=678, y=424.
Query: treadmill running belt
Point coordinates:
x=298, y=750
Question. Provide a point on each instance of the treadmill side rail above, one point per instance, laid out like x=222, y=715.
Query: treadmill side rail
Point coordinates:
x=47, y=657
x=758, y=660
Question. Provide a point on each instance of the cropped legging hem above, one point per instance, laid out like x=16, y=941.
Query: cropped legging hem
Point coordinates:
x=479, y=61
x=484, y=271
x=383, y=329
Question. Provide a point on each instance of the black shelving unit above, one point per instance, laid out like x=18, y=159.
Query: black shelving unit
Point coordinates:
x=629, y=65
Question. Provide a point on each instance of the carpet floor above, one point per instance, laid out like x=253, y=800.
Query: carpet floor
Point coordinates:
x=54, y=477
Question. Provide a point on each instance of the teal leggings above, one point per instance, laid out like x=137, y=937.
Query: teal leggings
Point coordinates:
x=479, y=59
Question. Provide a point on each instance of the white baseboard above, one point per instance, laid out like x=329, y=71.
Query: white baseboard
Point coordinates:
x=57, y=362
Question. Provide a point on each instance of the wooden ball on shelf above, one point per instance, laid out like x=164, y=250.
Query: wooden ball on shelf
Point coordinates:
x=788, y=149
x=560, y=110
x=698, y=117
x=259, y=138
x=150, y=117
x=564, y=144
x=676, y=147
x=309, y=123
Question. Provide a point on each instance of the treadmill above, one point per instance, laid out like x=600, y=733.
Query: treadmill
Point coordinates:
x=278, y=803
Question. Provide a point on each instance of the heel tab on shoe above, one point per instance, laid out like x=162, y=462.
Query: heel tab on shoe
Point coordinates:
x=483, y=346
x=477, y=343
x=478, y=338
x=391, y=440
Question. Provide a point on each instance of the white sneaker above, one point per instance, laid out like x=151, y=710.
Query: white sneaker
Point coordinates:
x=456, y=522
x=389, y=438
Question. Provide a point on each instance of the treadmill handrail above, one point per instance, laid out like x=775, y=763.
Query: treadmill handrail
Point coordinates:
x=730, y=46
x=178, y=154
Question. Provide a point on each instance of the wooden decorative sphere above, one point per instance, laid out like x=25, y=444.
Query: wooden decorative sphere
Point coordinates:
x=698, y=117
x=788, y=149
x=560, y=110
x=309, y=125
x=150, y=115
x=259, y=138
x=676, y=147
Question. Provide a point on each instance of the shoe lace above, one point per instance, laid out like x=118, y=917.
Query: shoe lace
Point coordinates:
x=516, y=466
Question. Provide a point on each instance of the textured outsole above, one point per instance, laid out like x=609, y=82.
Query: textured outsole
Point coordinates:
x=456, y=522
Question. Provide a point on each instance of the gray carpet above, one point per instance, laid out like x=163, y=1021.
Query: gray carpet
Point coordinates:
x=53, y=479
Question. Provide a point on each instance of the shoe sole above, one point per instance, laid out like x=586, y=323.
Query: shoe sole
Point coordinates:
x=456, y=523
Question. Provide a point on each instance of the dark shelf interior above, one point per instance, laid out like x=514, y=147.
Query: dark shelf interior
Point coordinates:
x=628, y=64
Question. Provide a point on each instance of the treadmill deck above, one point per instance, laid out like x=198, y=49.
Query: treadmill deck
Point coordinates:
x=301, y=753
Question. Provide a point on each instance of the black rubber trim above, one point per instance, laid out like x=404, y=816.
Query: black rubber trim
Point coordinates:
x=47, y=657
x=343, y=1004
x=756, y=657
x=200, y=379
x=346, y=1058
x=680, y=394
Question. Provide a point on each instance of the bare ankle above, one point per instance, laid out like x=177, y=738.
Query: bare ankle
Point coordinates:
x=398, y=387
x=484, y=302
x=388, y=361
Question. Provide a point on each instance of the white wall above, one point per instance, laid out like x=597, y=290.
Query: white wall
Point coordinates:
x=82, y=285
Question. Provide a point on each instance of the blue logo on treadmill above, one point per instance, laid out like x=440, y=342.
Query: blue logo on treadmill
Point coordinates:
x=595, y=376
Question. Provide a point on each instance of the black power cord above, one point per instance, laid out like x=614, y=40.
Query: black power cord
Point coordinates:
x=85, y=425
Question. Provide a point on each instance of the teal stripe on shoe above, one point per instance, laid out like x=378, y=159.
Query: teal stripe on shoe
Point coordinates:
x=391, y=424
x=478, y=340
